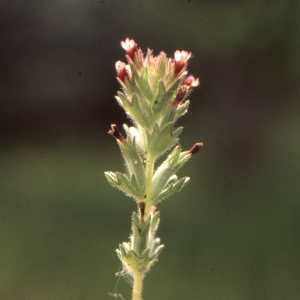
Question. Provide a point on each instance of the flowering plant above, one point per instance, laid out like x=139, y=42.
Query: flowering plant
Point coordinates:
x=154, y=95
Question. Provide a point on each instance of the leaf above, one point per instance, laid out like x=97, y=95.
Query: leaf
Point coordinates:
x=160, y=100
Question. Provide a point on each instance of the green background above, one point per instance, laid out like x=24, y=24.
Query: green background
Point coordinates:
x=233, y=233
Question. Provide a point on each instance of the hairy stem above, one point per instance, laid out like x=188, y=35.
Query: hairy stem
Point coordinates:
x=149, y=174
x=137, y=286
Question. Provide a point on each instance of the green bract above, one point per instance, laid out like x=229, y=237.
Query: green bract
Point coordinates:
x=142, y=252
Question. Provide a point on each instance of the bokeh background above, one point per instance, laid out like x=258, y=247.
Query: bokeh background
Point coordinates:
x=233, y=233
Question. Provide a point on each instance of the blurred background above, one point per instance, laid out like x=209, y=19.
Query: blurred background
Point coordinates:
x=233, y=233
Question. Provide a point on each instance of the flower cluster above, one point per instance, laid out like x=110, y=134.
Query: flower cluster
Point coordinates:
x=154, y=88
x=154, y=95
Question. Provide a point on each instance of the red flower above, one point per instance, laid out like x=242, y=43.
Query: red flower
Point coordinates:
x=130, y=47
x=180, y=61
x=123, y=71
x=187, y=85
x=116, y=133
x=191, y=81
x=196, y=147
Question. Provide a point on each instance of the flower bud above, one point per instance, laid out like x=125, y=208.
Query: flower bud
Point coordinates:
x=196, y=147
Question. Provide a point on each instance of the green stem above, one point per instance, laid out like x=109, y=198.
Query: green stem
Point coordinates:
x=149, y=174
x=137, y=286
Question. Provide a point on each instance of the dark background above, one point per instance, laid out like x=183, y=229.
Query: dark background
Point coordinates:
x=233, y=233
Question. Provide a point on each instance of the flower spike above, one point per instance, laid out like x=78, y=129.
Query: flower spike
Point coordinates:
x=154, y=91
